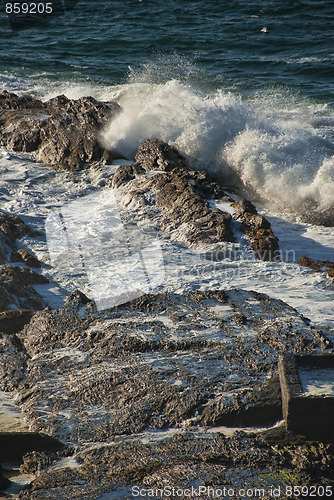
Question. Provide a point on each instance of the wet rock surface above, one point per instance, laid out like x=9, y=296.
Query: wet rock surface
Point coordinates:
x=258, y=228
x=175, y=198
x=25, y=257
x=18, y=299
x=161, y=188
x=325, y=266
x=15, y=289
x=141, y=394
x=61, y=131
x=157, y=155
x=180, y=461
x=11, y=228
x=152, y=379
x=13, y=320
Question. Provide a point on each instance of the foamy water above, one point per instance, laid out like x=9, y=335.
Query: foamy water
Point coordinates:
x=275, y=146
x=35, y=192
x=274, y=149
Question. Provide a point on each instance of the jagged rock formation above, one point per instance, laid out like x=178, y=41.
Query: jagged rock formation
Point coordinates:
x=175, y=198
x=11, y=228
x=25, y=257
x=140, y=391
x=258, y=228
x=318, y=265
x=159, y=363
x=139, y=363
x=15, y=288
x=18, y=299
x=61, y=131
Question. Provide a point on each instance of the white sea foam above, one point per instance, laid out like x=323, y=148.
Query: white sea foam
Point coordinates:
x=278, y=146
x=275, y=148
x=275, y=141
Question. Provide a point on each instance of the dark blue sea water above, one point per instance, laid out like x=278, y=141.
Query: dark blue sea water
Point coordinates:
x=209, y=42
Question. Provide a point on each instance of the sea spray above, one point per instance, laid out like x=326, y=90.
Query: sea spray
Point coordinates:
x=279, y=158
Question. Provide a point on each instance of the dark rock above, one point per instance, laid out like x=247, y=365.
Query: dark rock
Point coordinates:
x=176, y=199
x=161, y=362
x=308, y=262
x=12, y=367
x=157, y=155
x=258, y=228
x=184, y=462
x=246, y=207
x=9, y=100
x=13, y=320
x=15, y=289
x=325, y=266
x=261, y=408
x=13, y=445
x=156, y=380
x=11, y=228
x=4, y=482
x=62, y=132
x=126, y=173
x=25, y=257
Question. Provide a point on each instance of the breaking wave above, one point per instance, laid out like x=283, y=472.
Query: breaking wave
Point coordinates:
x=276, y=146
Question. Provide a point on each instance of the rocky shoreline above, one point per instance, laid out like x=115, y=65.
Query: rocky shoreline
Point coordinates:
x=164, y=390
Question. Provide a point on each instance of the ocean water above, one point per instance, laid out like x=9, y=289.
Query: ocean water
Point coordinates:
x=245, y=89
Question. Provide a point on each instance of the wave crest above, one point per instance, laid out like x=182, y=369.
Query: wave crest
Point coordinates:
x=272, y=148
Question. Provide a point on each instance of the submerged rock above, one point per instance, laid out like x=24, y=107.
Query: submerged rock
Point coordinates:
x=325, y=266
x=61, y=131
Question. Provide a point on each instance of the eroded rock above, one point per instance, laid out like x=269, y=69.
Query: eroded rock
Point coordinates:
x=175, y=197
x=11, y=228
x=61, y=131
x=25, y=257
x=161, y=188
x=13, y=320
x=154, y=362
x=157, y=155
x=258, y=228
x=15, y=289
x=163, y=363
